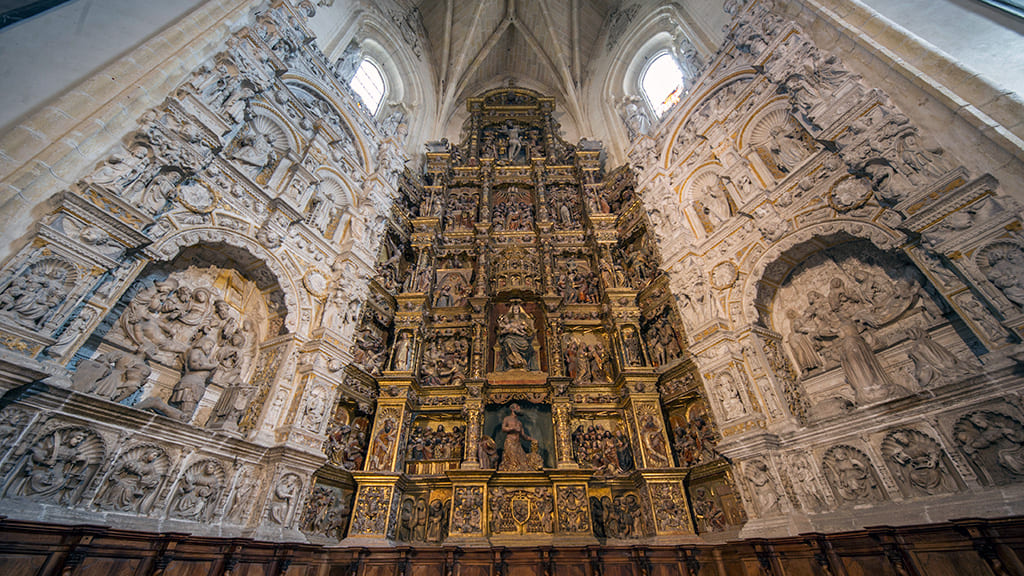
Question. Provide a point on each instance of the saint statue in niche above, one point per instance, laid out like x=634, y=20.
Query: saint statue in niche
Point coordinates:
x=516, y=334
x=519, y=437
x=514, y=458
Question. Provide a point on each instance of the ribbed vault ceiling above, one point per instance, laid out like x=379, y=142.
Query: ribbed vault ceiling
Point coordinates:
x=542, y=44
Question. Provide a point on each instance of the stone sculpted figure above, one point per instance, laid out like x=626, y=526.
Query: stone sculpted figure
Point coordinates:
x=199, y=364
x=114, y=376
x=729, y=395
x=717, y=202
x=516, y=334
x=286, y=495
x=134, y=481
x=804, y=484
x=631, y=346
x=33, y=295
x=198, y=492
x=768, y=498
x=514, y=458
x=380, y=451
x=636, y=120
x=403, y=353
x=870, y=382
x=58, y=467
x=850, y=474
x=1006, y=271
x=654, y=439
x=256, y=150
x=786, y=147
x=994, y=442
x=932, y=362
x=123, y=170
x=801, y=342
x=487, y=453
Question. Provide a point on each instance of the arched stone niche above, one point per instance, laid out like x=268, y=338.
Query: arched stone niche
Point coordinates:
x=771, y=268
x=350, y=142
x=171, y=245
x=716, y=100
x=191, y=339
x=858, y=325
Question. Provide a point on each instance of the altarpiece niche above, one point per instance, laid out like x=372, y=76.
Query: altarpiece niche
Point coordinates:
x=528, y=354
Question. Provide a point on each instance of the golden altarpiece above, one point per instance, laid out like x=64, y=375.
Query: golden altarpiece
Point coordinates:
x=530, y=360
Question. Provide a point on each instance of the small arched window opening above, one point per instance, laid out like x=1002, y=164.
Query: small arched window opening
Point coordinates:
x=662, y=83
x=368, y=83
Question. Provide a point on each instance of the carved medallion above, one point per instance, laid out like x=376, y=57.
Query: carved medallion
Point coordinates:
x=724, y=275
x=848, y=193
x=315, y=282
x=198, y=196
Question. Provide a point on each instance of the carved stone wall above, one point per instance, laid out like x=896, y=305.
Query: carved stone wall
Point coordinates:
x=791, y=310
x=183, y=314
x=845, y=286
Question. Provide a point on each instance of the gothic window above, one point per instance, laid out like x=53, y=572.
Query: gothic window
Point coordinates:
x=1015, y=7
x=368, y=83
x=662, y=82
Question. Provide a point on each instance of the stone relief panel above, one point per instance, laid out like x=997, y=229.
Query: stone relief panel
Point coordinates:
x=806, y=484
x=993, y=443
x=446, y=357
x=918, y=463
x=382, y=449
x=716, y=506
x=468, y=510
x=852, y=476
x=135, y=480
x=1001, y=263
x=326, y=512
x=768, y=497
x=200, y=329
x=33, y=296
x=671, y=510
x=781, y=143
x=660, y=334
x=244, y=496
x=602, y=444
x=587, y=360
x=57, y=467
x=373, y=505
x=13, y=422
x=573, y=509
x=842, y=307
x=618, y=515
x=347, y=438
x=434, y=446
x=198, y=492
x=694, y=437
x=521, y=511
x=285, y=496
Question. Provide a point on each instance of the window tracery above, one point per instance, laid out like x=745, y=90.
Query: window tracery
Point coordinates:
x=368, y=83
x=662, y=83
